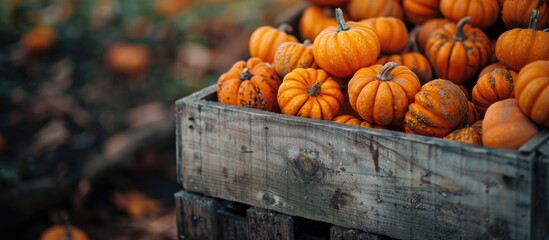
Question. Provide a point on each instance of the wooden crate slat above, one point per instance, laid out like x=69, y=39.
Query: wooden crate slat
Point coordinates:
x=265, y=224
x=196, y=216
x=385, y=182
x=340, y=233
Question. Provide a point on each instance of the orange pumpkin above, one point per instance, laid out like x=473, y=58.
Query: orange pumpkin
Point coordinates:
x=438, y=108
x=313, y=20
x=499, y=84
x=465, y=91
x=350, y=119
x=472, y=114
x=414, y=61
x=170, y=8
x=57, y=232
x=310, y=93
x=458, y=52
x=518, y=47
x=390, y=31
x=484, y=13
x=471, y=134
x=39, y=39
x=427, y=28
x=328, y=3
x=252, y=84
x=364, y=9
x=506, y=126
x=419, y=11
x=532, y=91
x=292, y=55
x=344, y=49
x=381, y=94
x=514, y=12
x=128, y=58
x=265, y=40
x=491, y=67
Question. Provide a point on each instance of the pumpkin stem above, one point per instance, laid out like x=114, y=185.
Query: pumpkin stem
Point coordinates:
x=284, y=27
x=385, y=72
x=341, y=25
x=534, y=20
x=246, y=75
x=307, y=42
x=315, y=89
x=459, y=35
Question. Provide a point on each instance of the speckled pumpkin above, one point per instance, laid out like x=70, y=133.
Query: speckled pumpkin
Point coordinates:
x=265, y=40
x=438, y=109
x=292, y=55
x=471, y=134
x=352, y=120
x=252, y=84
x=499, y=84
x=310, y=93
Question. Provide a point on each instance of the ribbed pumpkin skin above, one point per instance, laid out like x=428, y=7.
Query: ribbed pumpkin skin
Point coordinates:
x=310, y=93
x=342, y=52
x=471, y=135
x=313, y=20
x=414, y=61
x=391, y=32
x=364, y=9
x=506, y=126
x=516, y=13
x=292, y=55
x=427, y=28
x=458, y=60
x=265, y=40
x=497, y=85
x=532, y=91
x=382, y=102
x=472, y=114
x=518, y=47
x=257, y=92
x=438, y=108
x=491, y=67
x=419, y=11
x=484, y=13
x=352, y=120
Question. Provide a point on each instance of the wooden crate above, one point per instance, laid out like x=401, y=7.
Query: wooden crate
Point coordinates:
x=379, y=181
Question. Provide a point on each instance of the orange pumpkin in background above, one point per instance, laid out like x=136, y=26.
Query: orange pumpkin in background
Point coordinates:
x=518, y=47
x=427, y=28
x=414, y=61
x=170, y=8
x=344, y=49
x=484, y=13
x=470, y=134
x=314, y=20
x=310, y=93
x=499, y=84
x=292, y=55
x=457, y=52
x=391, y=32
x=39, y=39
x=57, y=232
x=419, y=11
x=506, y=126
x=438, y=108
x=251, y=84
x=128, y=58
x=265, y=40
x=364, y=9
x=516, y=13
x=381, y=94
x=532, y=91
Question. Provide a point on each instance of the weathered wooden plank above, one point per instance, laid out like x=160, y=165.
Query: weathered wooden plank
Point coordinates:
x=384, y=182
x=340, y=233
x=265, y=224
x=231, y=226
x=196, y=216
x=540, y=190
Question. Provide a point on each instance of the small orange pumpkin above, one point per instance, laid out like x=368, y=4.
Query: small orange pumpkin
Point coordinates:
x=313, y=20
x=344, y=49
x=265, y=40
x=484, y=13
x=391, y=32
x=414, y=61
x=59, y=231
x=506, y=126
x=292, y=55
x=419, y=11
x=39, y=39
x=491, y=67
x=128, y=58
x=472, y=134
x=427, y=28
x=350, y=119
x=518, y=47
x=513, y=13
x=381, y=94
x=252, y=84
x=499, y=84
x=364, y=9
x=438, y=108
x=457, y=52
x=310, y=93
x=532, y=91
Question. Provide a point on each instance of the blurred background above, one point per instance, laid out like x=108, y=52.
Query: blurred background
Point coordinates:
x=87, y=93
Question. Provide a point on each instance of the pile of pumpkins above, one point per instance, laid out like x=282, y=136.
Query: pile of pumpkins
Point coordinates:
x=444, y=78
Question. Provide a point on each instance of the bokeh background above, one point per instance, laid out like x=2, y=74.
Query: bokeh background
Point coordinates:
x=87, y=93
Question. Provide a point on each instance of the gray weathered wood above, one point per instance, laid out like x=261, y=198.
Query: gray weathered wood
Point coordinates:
x=196, y=216
x=231, y=226
x=340, y=233
x=265, y=224
x=384, y=182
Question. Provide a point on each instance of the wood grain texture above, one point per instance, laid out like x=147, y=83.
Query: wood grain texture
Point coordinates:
x=340, y=233
x=265, y=224
x=231, y=226
x=196, y=216
x=384, y=182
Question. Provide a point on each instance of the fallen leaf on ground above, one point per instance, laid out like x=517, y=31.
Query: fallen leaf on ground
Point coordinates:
x=137, y=204
x=51, y=136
